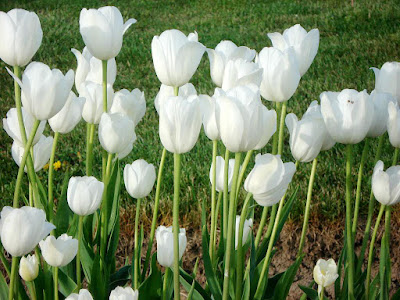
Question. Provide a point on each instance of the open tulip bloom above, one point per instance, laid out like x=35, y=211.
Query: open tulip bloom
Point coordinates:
x=166, y=91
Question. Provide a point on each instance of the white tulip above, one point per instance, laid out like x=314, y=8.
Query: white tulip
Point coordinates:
x=59, y=252
x=29, y=267
x=325, y=273
x=208, y=106
x=131, y=104
x=387, y=79
x=393, y=125
x=281, y=74
x=240, y=72
x=102, y=31
x=305, y=44
x=166, y=91
x=21, y=229
x=120, y=293
x=139, y=178
x=219, y=172
x=386, y=185
x=223, y=53
x=165, y=245
x=83, y=295
x=127, y=150
x=380, y=102
x=269, y=179
x=246, y=230
x=20, y=36
x=93, y=108
x=348, y=115
x=84, y=194
x=176, y=56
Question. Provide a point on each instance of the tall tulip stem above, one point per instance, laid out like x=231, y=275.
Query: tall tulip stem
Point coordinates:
x=246, y=161
x=55, y=281
x=78, y=255
x=177, y=179
x=89, y=148
x=51, y=175
x=165, y=283
x=213, y=199
x=395, y=156
x=13, y=279
x=261, y=226
x=105, y=108
x=278, y=106
x=225, y=199
x=137, y=254
x=282, y=127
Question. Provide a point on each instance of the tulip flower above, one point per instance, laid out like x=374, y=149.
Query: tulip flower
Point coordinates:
x=21, y=229
x=269, y=179
x=20, y=36
x=132, y=104
x=176, y=56
x=102, y=31
x=348, y=115
x=240, y=72
x=180, y=123
x=59, y=252
x=69, y=116
x=124, y=153
x=166, y=91
x=93, y=108
x=83, y=295
x=165, y=245
x=208, y=106
x=120, y=293
x=393, y=125
x=386, y=185
x=246, y=230
x=41, y=152
x=29, y=268
x=281, y=74
x=325, y=273
x=220, y=173
x=387, y=79
x=305, y=44
x=11, y=126
x=84, y=194
x=139, y=178
x=90, y=68
x=380, y=102
x=224, y=52
x=244, y=123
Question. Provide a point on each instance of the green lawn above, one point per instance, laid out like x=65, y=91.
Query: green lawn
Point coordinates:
x=353, y=39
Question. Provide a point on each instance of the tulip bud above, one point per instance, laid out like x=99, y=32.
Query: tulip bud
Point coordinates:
x=132, y=104
x=269, y=179
x=120, y=293
x=325, y=273
x=220, y=173
x=102, y=31
x=393, y=125
x=29, y=268
x=176, y=56
x=83, y=295
x=385, y=185
x=208, y=106
x=240, y=72
x=224, y=52
x=348, y=115
x=165, y=245
x=166, y=91
x=59, y=252
x=84, y=195
x=139, y=178
x=305, y=44
x=380, y=103
x=246, y=230
x=387, y=79
x=93, y=108
x=28, y=224
x=20, y=36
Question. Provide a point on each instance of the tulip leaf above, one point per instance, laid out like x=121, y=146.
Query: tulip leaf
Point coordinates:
x=246, y=289
x=113, y=195
x=190, y=279
x=119, y=278
x=64, y=214
x=339, y=266
x=311, y=293
x=3, y=288
x=384, y=270
x=98, y=285
x=42, y=203
x=190, y=289
x=66, y=284
x=87, y=258
x=396, y=295
x=151, y=288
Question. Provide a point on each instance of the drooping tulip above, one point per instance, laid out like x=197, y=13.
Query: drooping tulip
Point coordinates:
x=224, y=52
x=386, y=185
x=127, y=293
x=102, y=31
x=380, y=102
x=325, y=273
x=59, y=252
x=28, y=224
x=83, y=295
x=93, y=108
x=176, y=56
x=269, y=179
x=240, y=72
x=165, y=245
x=208, y=105
x=219, y=172
x=131, y=104
x=393, y=125
x=246, y=230
x=139, y=178
x=20, y=36
x=166, y=91
x=387, y=79
x=281, y=75
x=29, y=267
x=305, y=44
x=348, y=115
x=180, y=123
x=84, y=194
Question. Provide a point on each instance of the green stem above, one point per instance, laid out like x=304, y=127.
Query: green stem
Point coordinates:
x=271, y=220
x=32, y=289
x=165, y=287
x=246, y=161
x=349, y=238
x=5, y=261
x=321, y=295
x=137, y=257
x=89, y=148
x=261, y=226
x=13, y=279
x=281, y=127
x=395, y=156
x=225, y=202
x=55, y=280
x=216, y=218
x=278, y=106
x=213, y=199
x=177, y=179
x=30, y=194
x=78, y=255
x=307, y=209
x=104, y=77
x=51, y=175
x=231, y=234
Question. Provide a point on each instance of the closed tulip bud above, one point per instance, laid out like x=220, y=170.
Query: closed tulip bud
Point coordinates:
x=386, y=185
x=393, y=125
x=208, y=106
x=269, y=179
x=20, y=36
x=102, y=31
x=219, y=172
x=223, y=53
x=387, y=79
x=180, y=123
x=90, y=68
x=83, y=295
x=132, y=104
x=325, y=273
x=29, y=268
x=120, y=293
x=11, y=126
x=240, y=72
x=176, y=56
x=281, y=74
x=28, y=224
x=166, y=91
x=93, y=108
x=84, y=195
x=380, y=102
x=69, y=116
x=139, y=178
x=165, y=245
x=305, y=44
x=59, y=252
x=41, y=152
x=246, y=230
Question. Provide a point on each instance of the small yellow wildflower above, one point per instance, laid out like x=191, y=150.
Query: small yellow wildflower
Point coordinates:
x=57, y=165
x=46, y=167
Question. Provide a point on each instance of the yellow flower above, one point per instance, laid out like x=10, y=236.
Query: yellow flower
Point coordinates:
x=46, y=166
x=57, y=165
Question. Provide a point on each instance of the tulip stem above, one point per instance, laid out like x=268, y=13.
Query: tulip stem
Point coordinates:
x=89, y=148
x=225, y=199
x=219, y=206
x=213, y=199
x=177, y=179
x=261, y=226
x=395, y=156
x=32, y=289
x=155, y=212
x=51, y=175
x=246, y=161
x=55, y=279
x=231, y=233
x=78, y=255
x=278, y=106
x=321, y=294
x=307, y=209
x=14, y=267
x=281, y=127
x=165, y=283
x=4, y=261
x=104, y=77
x=137, y=257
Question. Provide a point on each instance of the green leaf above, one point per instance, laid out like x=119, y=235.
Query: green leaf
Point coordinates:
x=119, y=278
x=65, y=283
x=190, y=289
x=383, y=270
x=87, y=258
x=113, y=191
x=198, y=287
x=98, y=285
x=42, y=203
x=151, y=288
x=311, y=293
x=3, y=288
x=282, y=288
x=64, y=214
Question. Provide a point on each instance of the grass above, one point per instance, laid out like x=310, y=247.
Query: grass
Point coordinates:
x=353, y=39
